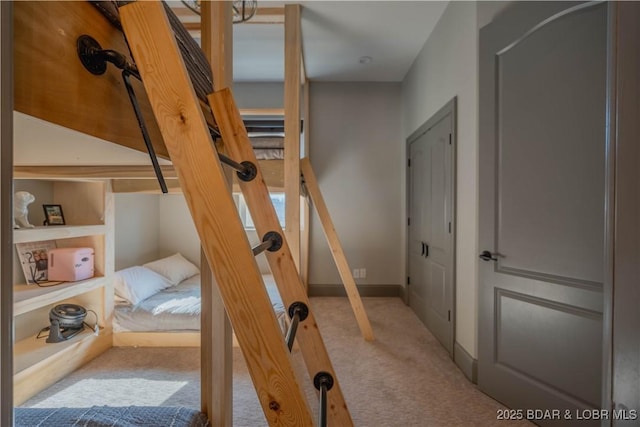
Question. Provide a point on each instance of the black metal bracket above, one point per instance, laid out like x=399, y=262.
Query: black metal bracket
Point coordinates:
x=299, y=308
x=248, y=173
x=276, y=240
x=323, y=379
x=87, y=47
x=272, y=241
x=95, y=59
x=246, y=170
x=298, y=312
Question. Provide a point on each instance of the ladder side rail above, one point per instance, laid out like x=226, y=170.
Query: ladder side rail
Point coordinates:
x=223, y=237
x=281, y=262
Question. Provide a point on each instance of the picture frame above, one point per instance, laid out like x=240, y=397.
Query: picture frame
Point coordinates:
x=53, y=215
x=34, y=261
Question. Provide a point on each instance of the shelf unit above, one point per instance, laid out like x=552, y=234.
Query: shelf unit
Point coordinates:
x=24, y=235
x=88, y=211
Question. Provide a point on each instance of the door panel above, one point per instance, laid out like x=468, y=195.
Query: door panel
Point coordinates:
x=418, y=215
x=438, y=289
x=437, y=208
x=542, y=205
x=430, y=234
x=543, y=120
x=536, y=349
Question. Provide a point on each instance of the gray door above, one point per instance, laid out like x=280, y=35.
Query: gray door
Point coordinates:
x=626, y=267
x=431, y=184
x=543, y=75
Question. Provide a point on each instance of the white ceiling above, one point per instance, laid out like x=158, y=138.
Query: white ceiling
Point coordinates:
x=335, y=35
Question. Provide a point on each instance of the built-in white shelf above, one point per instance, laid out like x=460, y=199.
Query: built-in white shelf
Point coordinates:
x=89, y=212
x=31, y=297
x=55, y=232
x=30, y=351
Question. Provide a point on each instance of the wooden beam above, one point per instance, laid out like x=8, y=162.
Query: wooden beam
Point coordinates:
x=292, y=61
x=212, y=208
x=147, y=186
x=336, y=249
x=306, y=213
x=262, y=112
x=91, y=172
x=217, y=41
x=7, y=252
x=216, y=345
x=281, y=262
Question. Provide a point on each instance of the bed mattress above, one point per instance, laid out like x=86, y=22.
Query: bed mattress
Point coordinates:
x=178, y=308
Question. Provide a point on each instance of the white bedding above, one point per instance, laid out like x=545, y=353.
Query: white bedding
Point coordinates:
x=268, y=147
x=178, y=308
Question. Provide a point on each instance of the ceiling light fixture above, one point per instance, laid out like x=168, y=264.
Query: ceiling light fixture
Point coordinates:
x=242, y=10
x=365, y=60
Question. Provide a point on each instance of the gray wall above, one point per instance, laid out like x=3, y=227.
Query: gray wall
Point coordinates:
x=357, y=157
x=259, y=95
x=136, y=229
x=447, y=66
x=176, y=231
x=151, y=226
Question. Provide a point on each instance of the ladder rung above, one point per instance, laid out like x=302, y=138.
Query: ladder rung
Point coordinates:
x=272, y=241
x=298, y=311
x=323, y=381
x=257, y=250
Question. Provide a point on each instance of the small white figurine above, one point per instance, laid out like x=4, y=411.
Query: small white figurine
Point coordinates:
x=21, y=202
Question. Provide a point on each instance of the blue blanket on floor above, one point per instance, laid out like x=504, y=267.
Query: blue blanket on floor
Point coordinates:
x=102, y=416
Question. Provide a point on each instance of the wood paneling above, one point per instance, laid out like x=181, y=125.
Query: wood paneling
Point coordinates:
x=52, y=84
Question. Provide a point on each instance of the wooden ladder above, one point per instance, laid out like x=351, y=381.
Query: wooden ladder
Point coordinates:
x=223, y=238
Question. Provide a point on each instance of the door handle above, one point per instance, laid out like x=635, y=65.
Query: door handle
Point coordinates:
x=426, y=250
x=487, y=256
x=422, y=254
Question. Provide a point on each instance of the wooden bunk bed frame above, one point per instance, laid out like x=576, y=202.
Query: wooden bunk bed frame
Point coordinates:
x=51, y=84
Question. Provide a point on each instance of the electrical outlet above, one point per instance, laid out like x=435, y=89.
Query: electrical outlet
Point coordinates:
x=363, y=273
x=356, y=273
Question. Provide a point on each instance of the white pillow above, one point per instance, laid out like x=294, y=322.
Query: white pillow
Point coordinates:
x=137, y=283
x=176, y=268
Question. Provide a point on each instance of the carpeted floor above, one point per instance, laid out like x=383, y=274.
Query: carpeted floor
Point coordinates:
x=404, y=378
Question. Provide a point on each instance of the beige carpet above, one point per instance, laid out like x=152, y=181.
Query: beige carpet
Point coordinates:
x=404, y=378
